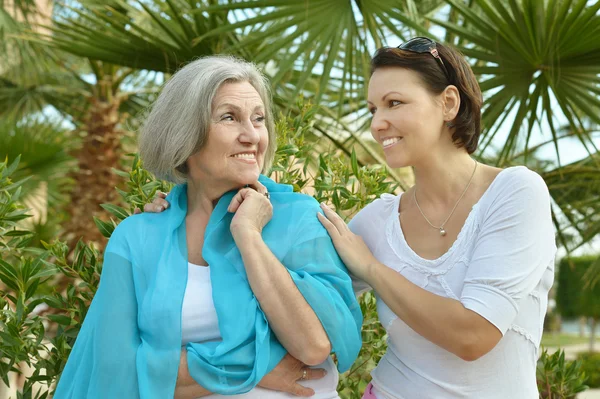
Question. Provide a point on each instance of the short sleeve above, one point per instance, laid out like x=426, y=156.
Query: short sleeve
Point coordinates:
x=514, y=247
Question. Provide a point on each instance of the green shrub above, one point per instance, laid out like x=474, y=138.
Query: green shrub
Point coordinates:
x=557, y=378
x=590, y=365
x=574, y=297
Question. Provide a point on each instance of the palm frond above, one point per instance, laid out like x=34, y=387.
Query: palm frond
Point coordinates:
x=539, y=66
x=44, y=147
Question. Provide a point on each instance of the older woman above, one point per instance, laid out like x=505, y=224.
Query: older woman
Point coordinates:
x=236, y=288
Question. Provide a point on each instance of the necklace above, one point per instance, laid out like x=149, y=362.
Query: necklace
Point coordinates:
x=441, y=228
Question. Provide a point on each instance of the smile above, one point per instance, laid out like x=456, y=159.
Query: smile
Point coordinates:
x=248, y=157
x=389, y=142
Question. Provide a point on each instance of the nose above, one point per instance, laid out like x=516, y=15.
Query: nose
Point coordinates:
x=378, y=124
x=249, y=133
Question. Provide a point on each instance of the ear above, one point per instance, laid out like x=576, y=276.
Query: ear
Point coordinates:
x=451, y=103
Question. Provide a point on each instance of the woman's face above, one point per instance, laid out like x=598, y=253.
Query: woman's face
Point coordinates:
x=234, y=152
x=407, y=119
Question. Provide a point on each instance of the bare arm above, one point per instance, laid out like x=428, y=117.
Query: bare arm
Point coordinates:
x=290, y=317
x=186, y=387
x=443, y=321
x=514, y=247
x=284, y=377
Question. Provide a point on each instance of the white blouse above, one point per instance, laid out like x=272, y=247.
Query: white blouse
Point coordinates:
x=199, y=324
x=500, y=266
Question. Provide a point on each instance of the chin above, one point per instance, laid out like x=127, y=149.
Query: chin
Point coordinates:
x=248, y=176
x=397, y=162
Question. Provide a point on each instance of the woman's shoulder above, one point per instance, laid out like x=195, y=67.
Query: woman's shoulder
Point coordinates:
x=374, y=213
x=519, y=186
x=520, y=175
x=133, y=231
x=383, y=205
x=517, y=179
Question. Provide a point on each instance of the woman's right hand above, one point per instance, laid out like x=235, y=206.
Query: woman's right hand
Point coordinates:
x=158, y=205
x=285, y=376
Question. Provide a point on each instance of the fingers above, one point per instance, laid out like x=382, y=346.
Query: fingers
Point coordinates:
x=156, y=206
x=299, y=390
x=161, y=202
x=335, y=219
x=160, y=194
x=258, y=187
x=315, y=374
x=330, y=227
x=136, y=211
x=237, y=200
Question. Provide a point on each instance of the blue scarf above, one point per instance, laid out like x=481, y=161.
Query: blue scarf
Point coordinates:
x=130, y=342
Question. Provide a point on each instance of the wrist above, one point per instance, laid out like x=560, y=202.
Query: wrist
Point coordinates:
x=245, y=234
x=371, y=272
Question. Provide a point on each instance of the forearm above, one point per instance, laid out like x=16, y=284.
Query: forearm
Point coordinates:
x=186, y=387
x=443, y=321
x=290, y=317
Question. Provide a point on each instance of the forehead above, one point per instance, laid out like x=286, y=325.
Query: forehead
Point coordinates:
x=392, y=79
x=239, y=93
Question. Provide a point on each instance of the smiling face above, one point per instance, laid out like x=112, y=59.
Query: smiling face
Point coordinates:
x=408, y=121
x=234, y=152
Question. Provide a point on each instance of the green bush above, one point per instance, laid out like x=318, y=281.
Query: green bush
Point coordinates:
x=574, y=297
x=590, y=365
x=557, y=378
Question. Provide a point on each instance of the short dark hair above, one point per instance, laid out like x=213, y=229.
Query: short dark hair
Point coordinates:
x=467, y=123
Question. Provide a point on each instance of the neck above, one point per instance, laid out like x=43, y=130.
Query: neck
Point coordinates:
x=202, y=196
x=441, y=180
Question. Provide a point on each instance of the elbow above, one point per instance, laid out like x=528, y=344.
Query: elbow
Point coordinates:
x=472, y=349
x=318, y=353
x=470, y=355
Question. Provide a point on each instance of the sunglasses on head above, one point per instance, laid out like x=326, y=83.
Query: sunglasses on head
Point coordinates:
x=422, y=45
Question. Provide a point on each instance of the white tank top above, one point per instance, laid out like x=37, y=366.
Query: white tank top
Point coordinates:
x=199, y=323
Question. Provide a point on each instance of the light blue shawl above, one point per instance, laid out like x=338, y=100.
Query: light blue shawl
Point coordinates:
x=130, y=342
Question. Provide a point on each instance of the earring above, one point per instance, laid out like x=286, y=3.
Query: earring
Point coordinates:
x=449, y=124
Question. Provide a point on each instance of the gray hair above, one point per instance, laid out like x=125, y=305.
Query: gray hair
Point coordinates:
x=178, y=124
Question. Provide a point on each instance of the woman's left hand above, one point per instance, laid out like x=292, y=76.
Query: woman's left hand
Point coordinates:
x=351, y=247
x=252, y=208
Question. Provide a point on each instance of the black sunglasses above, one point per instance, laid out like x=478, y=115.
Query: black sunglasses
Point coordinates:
x=422, y=45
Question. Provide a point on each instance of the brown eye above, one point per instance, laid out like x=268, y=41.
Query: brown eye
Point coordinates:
x=394, y=103
x=372, y=110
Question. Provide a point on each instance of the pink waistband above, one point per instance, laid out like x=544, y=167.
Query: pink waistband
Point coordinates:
x=369, y=392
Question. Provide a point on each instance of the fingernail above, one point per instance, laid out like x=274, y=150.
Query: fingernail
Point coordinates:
x=323, y=205
x=159, y=208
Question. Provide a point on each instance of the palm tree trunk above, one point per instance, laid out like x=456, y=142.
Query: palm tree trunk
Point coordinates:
x=95, y=181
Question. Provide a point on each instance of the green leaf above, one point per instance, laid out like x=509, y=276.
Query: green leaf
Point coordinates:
x=354, y=163
x=105, y=228
x=60, y=319
x=117, y=211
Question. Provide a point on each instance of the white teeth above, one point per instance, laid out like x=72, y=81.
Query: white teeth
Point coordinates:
x=390, y=141
x=245, y=156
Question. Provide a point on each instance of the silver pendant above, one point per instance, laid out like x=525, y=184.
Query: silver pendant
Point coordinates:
x=442, y=231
